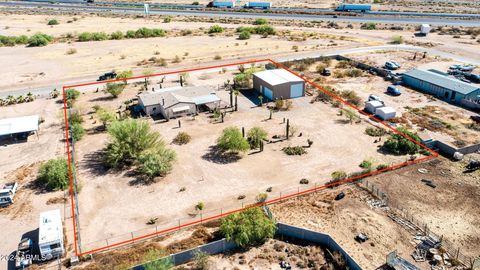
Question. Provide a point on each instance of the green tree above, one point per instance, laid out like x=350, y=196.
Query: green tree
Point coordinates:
x=339, y=175
x=54, y=174
x=115, y=89
x=117, y=35
x=156, y=162
x=255, y=136
x=201, y=260
x=124, y=74
x=154, y=260
x=215, y=29
x=77, y=131
x=232, y=140
x=71, y=95
x=350, y=114
x=53, y=22
x=248, y=227
x=399, y=145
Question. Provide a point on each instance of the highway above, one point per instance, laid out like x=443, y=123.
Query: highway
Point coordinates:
x=45, y=90
x=75, y=8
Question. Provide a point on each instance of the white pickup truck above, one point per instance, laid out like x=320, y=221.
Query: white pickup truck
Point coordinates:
x=7, y=192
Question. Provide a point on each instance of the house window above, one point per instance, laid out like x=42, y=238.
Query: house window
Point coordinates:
x=181, y=112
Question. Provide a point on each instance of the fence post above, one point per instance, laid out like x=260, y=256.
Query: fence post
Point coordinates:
x=132, y=237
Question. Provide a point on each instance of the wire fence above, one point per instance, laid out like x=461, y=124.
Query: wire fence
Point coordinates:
x=417, y=226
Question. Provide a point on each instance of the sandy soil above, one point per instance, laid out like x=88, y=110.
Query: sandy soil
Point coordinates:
x=217, y=184
x=346, y=218
x=449, y=209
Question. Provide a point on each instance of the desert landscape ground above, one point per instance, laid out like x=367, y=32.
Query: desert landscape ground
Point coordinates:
x=116, y=205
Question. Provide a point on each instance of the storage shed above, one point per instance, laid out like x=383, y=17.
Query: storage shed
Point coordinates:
x=385, y=113
x=373, y=105
x=444, y=87
x=278, y=84
x=178, y=101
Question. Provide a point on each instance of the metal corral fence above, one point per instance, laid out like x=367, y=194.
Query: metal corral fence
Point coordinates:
x=283, y=230
x=418, y=226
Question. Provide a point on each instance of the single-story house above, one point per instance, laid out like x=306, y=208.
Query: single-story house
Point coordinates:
x=442, y=86
x=278, y=84
x=18, y=127
x=178, y=101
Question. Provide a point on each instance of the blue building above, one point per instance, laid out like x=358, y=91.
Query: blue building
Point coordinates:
x=222, y=4
x=444, y=87
x=350, y=7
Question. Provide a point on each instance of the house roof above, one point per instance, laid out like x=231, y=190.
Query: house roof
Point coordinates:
x=18, y=124
x=442, y=81
x=277, y=76
x=50, y=228
x=168, y=97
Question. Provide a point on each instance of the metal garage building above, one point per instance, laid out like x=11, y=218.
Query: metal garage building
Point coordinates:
x=278, y=84
x=18, y=127
x=443, y=87
x=178, y=101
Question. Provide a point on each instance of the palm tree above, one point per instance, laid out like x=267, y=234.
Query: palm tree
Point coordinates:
x=11, y=100
x=20, y=99
x=30, y=97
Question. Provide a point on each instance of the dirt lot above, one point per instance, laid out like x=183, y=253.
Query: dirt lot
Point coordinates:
x=346, y=218
x=220, y=184
x=450, y=209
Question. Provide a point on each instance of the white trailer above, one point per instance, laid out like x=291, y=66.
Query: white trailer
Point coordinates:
x=7, y=192
x=425, y=29
x=385, y=113
x=50, y=235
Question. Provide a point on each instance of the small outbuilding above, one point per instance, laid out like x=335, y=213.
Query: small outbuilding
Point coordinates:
x=178, y=101
x=373, y=105
x=385, y=113
x=278, y=84
x=18, y=128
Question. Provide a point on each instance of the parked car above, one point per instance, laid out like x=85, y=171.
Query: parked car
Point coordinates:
x=374, y=97
x=7, y=193
x=391, y=66
x=475, y=118
x=339, y=196
x=395, y=63
x=467, y=68
x=108, y=76
x=361, y=238
x=23, y=256
x=392, y=90
x=472, y=77
x=455, y=67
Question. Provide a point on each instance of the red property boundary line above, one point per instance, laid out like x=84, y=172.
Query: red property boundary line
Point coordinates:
x=71, y=188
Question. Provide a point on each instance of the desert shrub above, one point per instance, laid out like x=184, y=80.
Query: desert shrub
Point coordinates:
x=250, y=30
x=366, y=164
x=351, y=97
x=167, y=19
x=85, y=36
x=248, y=227
x=153, y=261
x=343, y=64
x=244, y=35
x=115, y=89
x=262, y=197
x=182, y=138
x=53, y=22
x=338, y=175
x=159, y=32
x=7, y=41
x=399, y=145
x=39, y=40
x=54, y=174
x=215, y=29
x=255, y=136
x=124, y=74
x=186, y=32
x=196, y=3
x=294, y=150
x=244, y=79
x=264, y=29
x=352, y=72
x=201, y=260
x=279, y=104
x=21, y=39
x=106, y=116
x=130, y=34
x=117, y=35
x=156, y=161
x=200, y=206
x=321, y=68
x=369, y=26
x=397, y=40
x=77, y=131
x=375, y=131
x=232, y=140
x=350, y=114
x=260, y=21
x=144, y=32
x=71, y=51
x=382, y=166
x=71, y=95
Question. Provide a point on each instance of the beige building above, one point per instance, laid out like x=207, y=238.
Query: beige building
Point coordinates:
x=178, y=101
x=278, y=84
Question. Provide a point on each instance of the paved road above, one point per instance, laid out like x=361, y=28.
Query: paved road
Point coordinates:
x=66, y=7
x=45, y=90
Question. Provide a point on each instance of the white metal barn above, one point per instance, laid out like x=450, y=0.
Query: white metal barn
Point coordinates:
x=50, y=234
x=278, y=84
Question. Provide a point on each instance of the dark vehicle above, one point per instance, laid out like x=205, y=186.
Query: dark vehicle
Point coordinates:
x=108, y=76
x=392, y=90
x=473, y=165
x=472, y=77
x=339, y=196
x=361, y=238
x=89, y=1
x=23, y=257
x=475, y=118
x=326, y=72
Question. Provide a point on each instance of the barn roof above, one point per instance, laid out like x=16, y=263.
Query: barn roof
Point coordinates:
x=277, y=76
x=442, y=81
x=18, y=124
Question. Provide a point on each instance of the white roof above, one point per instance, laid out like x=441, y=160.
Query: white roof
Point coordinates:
x=277, y=76
x=50, y=227
x=374, y=103
x=18, y=124
x=385, y=110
